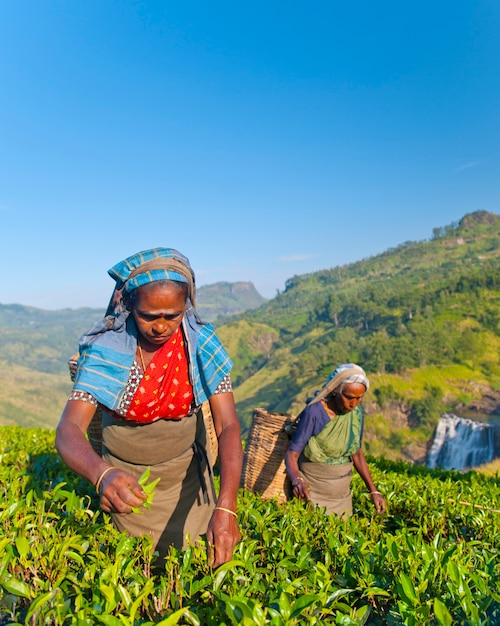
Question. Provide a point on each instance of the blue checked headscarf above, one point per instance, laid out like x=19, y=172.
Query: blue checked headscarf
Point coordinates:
x=107, y=350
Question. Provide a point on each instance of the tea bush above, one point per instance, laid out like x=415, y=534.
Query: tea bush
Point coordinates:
x=433, y=559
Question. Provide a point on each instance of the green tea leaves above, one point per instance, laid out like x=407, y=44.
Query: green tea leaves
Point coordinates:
x=429, y=561
x=148, y=488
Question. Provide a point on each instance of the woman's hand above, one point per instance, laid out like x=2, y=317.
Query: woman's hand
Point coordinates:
x=362, y=467
x=299, y=485
x=222, y=532
x=119, y=492
x=301, y=488
x=222, y=536
x=378, y=502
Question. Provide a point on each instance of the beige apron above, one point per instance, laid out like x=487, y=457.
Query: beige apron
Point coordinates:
x=185, y=496
x=330, y=485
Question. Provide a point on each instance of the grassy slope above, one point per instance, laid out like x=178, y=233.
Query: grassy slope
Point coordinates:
x=29, y=398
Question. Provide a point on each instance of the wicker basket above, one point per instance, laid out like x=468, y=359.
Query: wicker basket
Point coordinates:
x=263, y=463
x=211, y=443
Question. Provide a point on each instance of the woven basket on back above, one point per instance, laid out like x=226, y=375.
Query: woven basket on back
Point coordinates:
x=211, y=443
x=94, y=431
x=263, y=463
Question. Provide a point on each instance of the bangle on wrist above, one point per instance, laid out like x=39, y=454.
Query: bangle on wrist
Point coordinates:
x=101, y=477
x=221, y=508
x=294, y=483
x=372, y=492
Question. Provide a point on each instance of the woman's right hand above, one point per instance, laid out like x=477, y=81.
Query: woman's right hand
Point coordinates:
x=299, y=485
x=119, y=492
x=301, y=488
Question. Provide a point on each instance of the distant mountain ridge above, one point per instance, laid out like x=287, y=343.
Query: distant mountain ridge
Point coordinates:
x=43, y=340
x=35, y=345
x=223, y=299
x=423, y=319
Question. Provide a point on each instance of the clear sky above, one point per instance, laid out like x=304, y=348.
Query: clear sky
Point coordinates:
x=261, y=139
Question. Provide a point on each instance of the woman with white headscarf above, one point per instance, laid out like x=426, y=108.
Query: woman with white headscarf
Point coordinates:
x=327, y=443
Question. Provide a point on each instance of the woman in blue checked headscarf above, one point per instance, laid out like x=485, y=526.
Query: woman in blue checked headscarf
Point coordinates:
x=150, y=366
x=327, y=443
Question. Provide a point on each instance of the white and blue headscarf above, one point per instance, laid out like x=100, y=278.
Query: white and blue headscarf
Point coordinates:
x=342, y=374
x=107, y=350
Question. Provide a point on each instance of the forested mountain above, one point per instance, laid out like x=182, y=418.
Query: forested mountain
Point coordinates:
x=422, y=319
x=222, y=299
x=35, y=346
x=43, y=340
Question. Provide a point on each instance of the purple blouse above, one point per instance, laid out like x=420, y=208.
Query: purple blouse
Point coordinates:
x=312, y=421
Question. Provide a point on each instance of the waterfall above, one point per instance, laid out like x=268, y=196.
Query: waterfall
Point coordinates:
x=461, y=443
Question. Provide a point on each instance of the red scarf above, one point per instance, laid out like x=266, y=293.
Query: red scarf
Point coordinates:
x=165, y=391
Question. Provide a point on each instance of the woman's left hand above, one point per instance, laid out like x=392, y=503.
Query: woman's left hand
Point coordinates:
x=222, y=532
x=222, y=536
x=379, y=502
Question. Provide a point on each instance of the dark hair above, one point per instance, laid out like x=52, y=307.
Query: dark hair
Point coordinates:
x=130, y=298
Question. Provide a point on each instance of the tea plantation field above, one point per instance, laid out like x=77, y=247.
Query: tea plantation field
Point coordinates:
x=433, y=559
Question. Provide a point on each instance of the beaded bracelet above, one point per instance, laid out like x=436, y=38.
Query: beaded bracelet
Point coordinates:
x=221, y=508
x=100, y=479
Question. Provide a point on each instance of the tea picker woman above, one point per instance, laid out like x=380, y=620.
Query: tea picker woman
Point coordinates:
x=150, y=364
x=327, y=443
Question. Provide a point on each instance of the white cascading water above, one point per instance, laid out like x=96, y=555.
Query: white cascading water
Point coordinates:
x=460, y=443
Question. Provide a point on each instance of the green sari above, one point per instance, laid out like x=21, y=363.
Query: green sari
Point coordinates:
x=338, y=440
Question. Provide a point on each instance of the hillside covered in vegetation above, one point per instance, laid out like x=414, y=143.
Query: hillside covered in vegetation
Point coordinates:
x=222, y=299
x=35, y=346
x=423, y=319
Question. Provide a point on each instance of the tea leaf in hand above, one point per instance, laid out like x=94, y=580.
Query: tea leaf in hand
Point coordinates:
x=148, y=488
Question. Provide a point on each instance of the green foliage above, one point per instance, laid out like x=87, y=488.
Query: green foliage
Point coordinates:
x=425, y=408
x=30, y=398
x=148, y=488
x=421, y=305
x=433, y=559
x=429, y=308
x=250, y=346
x=385, y=393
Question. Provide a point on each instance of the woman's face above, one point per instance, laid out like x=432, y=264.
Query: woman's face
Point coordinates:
x=349, y=398
x=158, y=313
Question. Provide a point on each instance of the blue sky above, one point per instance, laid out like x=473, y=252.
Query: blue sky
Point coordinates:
x=262, y=139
